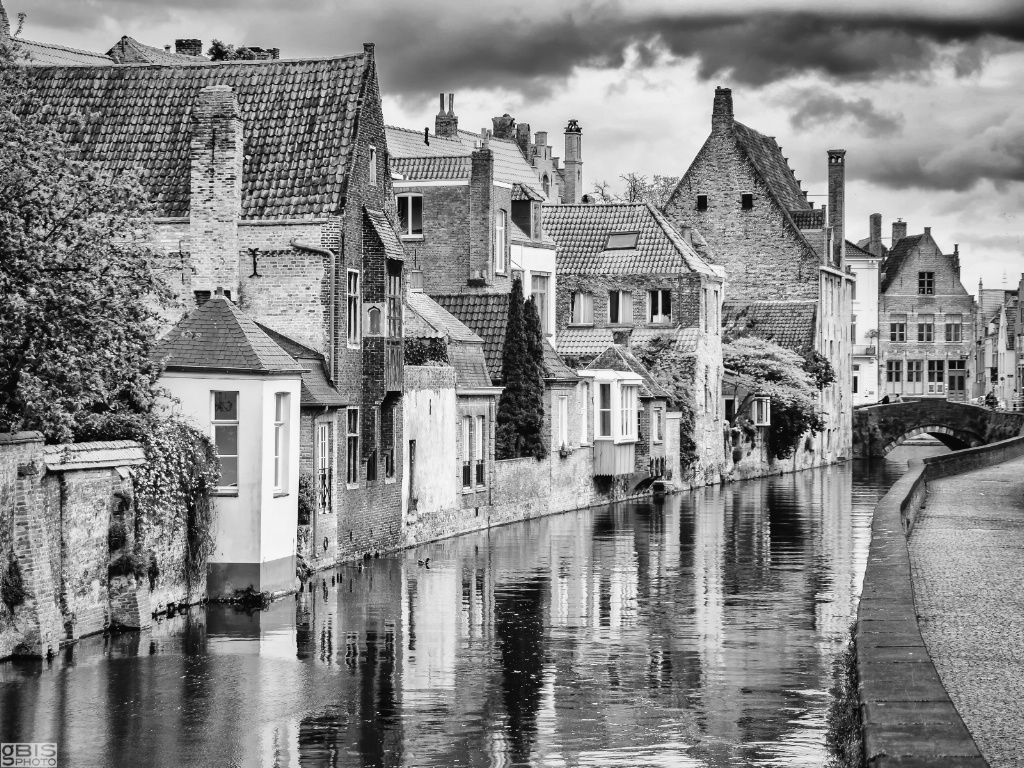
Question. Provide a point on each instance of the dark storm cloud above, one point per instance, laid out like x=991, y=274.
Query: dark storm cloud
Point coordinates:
x=813, y=109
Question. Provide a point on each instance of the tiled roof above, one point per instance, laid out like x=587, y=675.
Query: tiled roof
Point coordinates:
x=317, y=389
x=386, y=232
x=618, y=358
x=469, y=364
x=852, y=249
x=523, y=192
x=47, y=55
x=898, y=254
x=487, y=316
x=863, y=245
x=991, y=299
x=432, y=168
x=298, y=120
x=128, y=50
x=790, y=324
x=96, y=455
x=219, y=336
x=766, y=155
x=581, y=232
x=583, y=342
x=812, y=219
x=555, y=367
x=437, y=320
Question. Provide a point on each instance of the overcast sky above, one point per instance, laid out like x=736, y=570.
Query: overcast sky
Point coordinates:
x=924, y=96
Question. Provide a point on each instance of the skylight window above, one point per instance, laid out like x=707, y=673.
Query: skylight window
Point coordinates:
x=619, y=240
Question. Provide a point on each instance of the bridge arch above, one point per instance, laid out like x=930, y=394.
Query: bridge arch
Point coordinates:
x=954, y=439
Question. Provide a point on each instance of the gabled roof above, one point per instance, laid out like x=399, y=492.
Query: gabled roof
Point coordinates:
x=219, y=336
x=581, y=232
x=583, y=342
x=555, y=367
x=48, y=54
x=863, y=245
x=618, y=358
x=524, y=192
x=898, y=255
x=790, y=324
x=435, y=321
x=386, y=232
x=766, y=156
x=299, y=122
x=855, y=250
x=990, y=300
x=317, y=389
x=128, y=50
x=486, y=314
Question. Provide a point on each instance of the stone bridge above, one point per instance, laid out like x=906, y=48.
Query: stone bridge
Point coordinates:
x=877, y=429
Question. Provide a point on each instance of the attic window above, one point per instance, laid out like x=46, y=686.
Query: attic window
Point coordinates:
x=746, y=201
x=372, y=177
x=620, y=240
x=702, y=202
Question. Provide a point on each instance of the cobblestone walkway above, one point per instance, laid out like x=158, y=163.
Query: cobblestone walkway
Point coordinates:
x=967, y=559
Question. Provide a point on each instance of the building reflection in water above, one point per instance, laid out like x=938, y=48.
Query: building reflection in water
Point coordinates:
x=695, y=630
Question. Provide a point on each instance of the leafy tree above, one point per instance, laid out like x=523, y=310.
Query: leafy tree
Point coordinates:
x=78, y=314
x=637, y=189
x=820, y=369
x=521, y=408
x=762, y=368
x=661, y=356
x=220, y=51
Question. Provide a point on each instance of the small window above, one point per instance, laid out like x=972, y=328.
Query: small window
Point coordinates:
x=354, y=308
x=410, y=215
x=394, y=299
x=853, y=329
x=562, y=440
x=582, y=308
x=620, y=240
x=762, y=412
x=372, y=175
x=894, y=371
x=656, y=428
x=373, y=316
x=853, y=291
x=584, y=392
x=620, y=307
x=604, y=410
x=746, y=201
x=371, y=460
x=280, y=442
x=352, y=446
x=926, y=283
x=659, y=310
x=225, y=436
x=702, y=202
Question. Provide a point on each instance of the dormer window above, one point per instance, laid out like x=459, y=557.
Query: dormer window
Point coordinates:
x=746, y=201
x=410, y=215
x=702, y=202
x=621, y=240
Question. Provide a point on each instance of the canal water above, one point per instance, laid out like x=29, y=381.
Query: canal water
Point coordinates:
x=698, y=630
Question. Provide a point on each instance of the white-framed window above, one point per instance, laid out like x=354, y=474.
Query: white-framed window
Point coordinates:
x=656, y=425
x=539, y=284
x=410, y=215
x=628, y=395
x=224, y=425
x=584, y=410
x=954, y=328
x=936, y=376
x=352, y=446
x=467, y=451
x=582, y=308
x=281, y=442
x=372, y=171
x=563, y=422
x=323, y=467
x=762, y=412
x=500, y=228
x=604, y=410
x=354, y=305
x=478, y=452
x=659, y=307
x=620, y=307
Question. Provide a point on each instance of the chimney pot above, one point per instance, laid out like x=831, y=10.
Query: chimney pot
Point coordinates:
x=167, y=48
x=441, y=112
x=928, y=231
x=426, y=136
x=451, y=104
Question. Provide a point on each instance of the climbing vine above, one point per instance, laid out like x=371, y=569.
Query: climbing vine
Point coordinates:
x=674, y=372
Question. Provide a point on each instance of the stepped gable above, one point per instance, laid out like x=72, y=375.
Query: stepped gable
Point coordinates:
x=299, y=122
x=898, y=254
x=219, y=336
x=317, y=390
x=790, y=324
x=618, y=358
x=583, y=342
x=581, y=232
x=128, y=50
x=766, y=156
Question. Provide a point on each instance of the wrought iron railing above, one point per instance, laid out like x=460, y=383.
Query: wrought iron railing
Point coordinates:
x=324, y=484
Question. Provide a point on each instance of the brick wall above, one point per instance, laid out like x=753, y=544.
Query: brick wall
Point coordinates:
x=287, y=295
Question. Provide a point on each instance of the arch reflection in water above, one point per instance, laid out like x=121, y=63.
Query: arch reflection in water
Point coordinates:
x=697, y=630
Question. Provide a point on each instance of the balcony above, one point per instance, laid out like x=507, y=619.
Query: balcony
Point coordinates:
x=864, y=350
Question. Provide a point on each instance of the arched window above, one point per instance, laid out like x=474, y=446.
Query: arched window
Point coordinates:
x=547, y=185
x=374, y=315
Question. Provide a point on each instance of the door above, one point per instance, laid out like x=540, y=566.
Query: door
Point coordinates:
x=324, y=477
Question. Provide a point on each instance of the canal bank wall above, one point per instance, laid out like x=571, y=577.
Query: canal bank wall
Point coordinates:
x=906, y=713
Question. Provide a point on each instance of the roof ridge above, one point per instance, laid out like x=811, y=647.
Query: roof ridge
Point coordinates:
x=197, y=63
x=60, y=47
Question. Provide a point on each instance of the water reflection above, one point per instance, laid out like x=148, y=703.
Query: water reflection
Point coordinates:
x=694, y=631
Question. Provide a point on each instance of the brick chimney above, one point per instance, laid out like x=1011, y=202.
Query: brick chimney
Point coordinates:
x=523, y=140
x=721, y=114
x=899, y=231
x=956, y=258
x=446, y=124
x=216, y=188
x=875, y=234
x=481, y=224
x=189, y=47
x=837, y=204
x=504, y=127
x=573, y=190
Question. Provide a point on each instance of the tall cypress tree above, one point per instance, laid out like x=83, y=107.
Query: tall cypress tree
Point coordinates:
x=521, y=408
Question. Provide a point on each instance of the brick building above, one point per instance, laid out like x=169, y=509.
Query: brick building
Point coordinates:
x=623, y=267
x=742, y=196
x=270, y=180
x=926, y=319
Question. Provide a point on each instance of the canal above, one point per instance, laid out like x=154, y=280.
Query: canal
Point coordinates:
x=698, y=630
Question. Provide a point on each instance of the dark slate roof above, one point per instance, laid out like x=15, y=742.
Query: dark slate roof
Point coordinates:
x=618, y=358
x=487, y=316
x=219, y=336
x=299, y=120
x=812, y=219
x=790, y=324
x=433, y=168
x=386, y=233
x=317, y=389
x=128, y=50
x=47, y=55
x=583, y=342
x=898, y=255
x=766, y=155
x=581, y=232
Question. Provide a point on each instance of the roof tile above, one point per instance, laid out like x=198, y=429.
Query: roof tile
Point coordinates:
x=790, y=324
